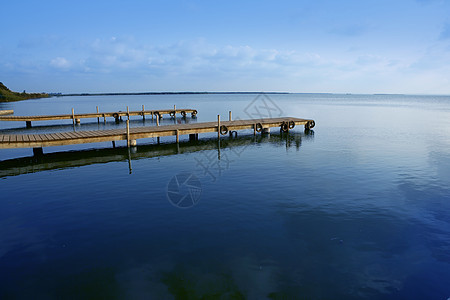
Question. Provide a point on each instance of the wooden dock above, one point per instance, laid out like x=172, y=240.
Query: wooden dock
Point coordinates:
x=132, y=134
x=117, y=115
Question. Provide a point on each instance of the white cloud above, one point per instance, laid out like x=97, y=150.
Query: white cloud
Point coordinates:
x=199, y=65
x=60, y=63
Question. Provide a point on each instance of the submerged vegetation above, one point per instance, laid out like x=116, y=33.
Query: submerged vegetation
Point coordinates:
x=7, y=95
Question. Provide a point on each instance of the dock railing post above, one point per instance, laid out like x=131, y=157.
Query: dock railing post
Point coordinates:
x=128, y=113
x=218, y=126
x=98, y=118
x=178, y=136
x=157, y=120
x=73, y=118
x=229, y=115
x=143, y=112
x=128, y=133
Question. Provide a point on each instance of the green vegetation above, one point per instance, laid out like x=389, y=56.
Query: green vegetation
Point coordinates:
x=6, y=95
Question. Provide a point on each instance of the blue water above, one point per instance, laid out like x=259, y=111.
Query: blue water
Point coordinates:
x=358, y=208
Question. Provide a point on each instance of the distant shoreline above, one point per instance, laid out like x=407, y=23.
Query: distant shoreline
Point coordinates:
x=165, y=93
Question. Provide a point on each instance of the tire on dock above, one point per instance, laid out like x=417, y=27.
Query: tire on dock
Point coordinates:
x=310, y=124
x=284, y=127
x=223, y=130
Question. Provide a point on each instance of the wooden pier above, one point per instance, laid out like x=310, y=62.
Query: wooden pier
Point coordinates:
x=6, y=112
x=76, y=117
x=132, y=134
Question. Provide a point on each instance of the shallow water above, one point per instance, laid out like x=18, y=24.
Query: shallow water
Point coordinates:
x=357, y=208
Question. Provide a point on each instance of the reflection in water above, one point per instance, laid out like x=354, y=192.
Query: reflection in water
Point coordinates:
x=73, y=159
x=359, y=213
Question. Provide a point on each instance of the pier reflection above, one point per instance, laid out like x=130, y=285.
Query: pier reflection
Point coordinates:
x=74, y=159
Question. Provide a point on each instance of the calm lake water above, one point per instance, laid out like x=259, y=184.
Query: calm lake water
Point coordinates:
x=358, y=208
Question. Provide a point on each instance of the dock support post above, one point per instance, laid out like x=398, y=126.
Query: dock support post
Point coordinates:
x=143, y=112
x=98, y=118
x=38, y=151
x=73, y=117
x=229, y=115
x=218, y=126
x=175, y=109
x=28, y=124
x=114, y=144
x=254, y=129
x=152, y=115
x=128, y=113
x=104, y=119
x=157, y=120
x=128, y=133
x=178, y=136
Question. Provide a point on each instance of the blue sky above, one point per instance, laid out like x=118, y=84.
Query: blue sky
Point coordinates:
x=363, y=46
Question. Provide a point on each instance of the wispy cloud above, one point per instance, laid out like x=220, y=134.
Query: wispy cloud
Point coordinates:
x=60, y=63
x=199, y=65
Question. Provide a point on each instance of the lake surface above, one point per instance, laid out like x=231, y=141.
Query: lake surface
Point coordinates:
x=358, y=208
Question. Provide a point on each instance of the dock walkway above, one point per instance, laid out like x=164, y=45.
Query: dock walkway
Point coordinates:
x=117, y=115
x=133, y=134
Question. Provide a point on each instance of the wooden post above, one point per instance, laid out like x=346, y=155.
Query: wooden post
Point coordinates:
x=174, y=108
x=254, y=129
x=157, y=120
x=218, y=126
x=152, y=115
x=98, y=118
x=178, y=136
x=28, y=124
x=128, y=113
x=229, y=115
x=143, y=112
x=104, y=118
x=128, y=133
x=73, y=117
